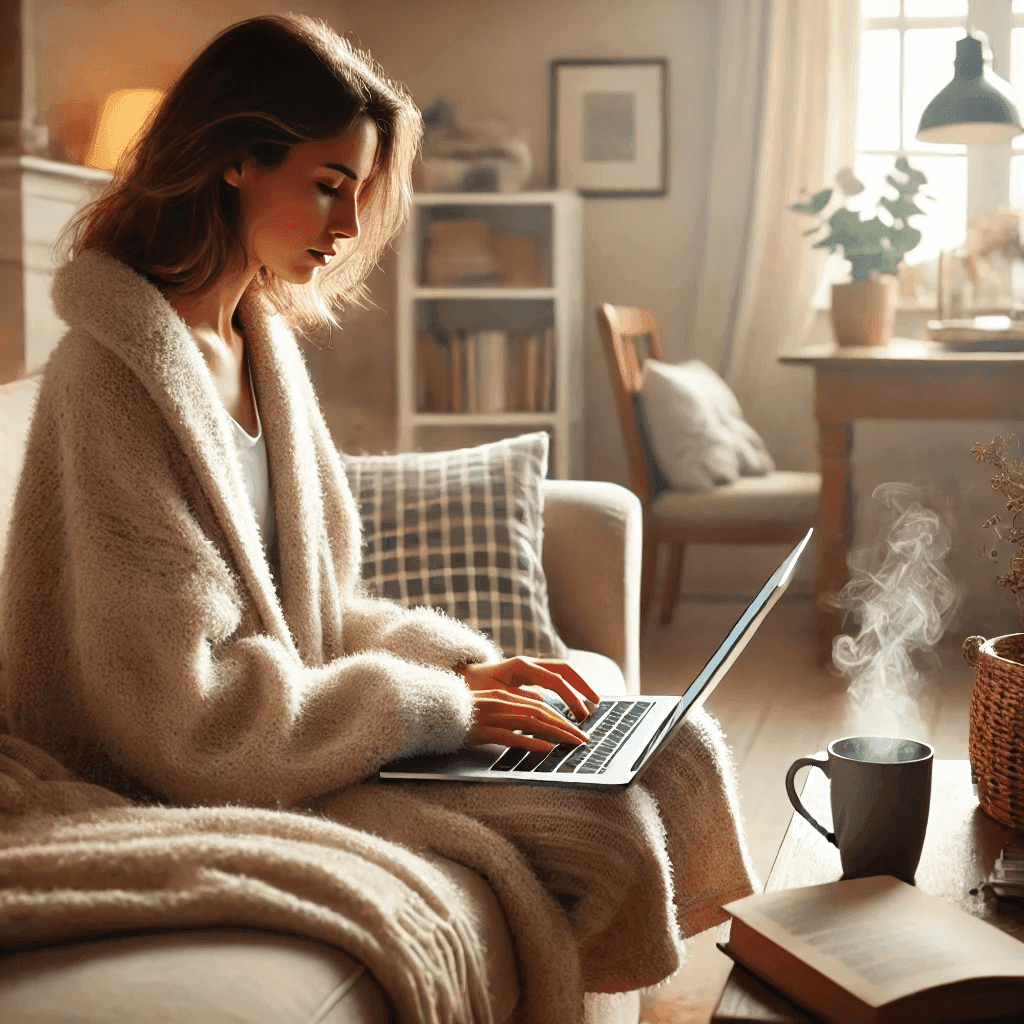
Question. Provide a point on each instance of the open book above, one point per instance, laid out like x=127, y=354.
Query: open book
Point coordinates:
x=877, y=950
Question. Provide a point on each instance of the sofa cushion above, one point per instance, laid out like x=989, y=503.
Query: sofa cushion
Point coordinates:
x=462, y=531
x=17, y=401
x=603, y=674
x=227, y=976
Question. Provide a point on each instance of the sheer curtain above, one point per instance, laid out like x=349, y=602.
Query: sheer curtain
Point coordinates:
x=784, y=120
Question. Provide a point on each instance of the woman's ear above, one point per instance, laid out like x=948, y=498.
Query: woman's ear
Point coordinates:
x=233, y=173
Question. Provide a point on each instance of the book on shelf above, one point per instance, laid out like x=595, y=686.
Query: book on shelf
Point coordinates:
x=471, y=380
x=485, y=371
x=492, y=369
x=877, y=951
x=530, y=373
x=433, y=376
x=546, y=399
x=457, y=370
x=458, y=253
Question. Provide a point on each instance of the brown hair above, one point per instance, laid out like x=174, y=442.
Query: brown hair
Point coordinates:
x=259, y=88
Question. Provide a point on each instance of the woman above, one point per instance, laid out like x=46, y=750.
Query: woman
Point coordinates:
x=181, y=613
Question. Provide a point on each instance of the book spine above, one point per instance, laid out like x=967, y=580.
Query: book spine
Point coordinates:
x=422, y=375
x=472, y=378
x=442, y=373
x=514, y=373
x=547, y=393
x=492, y=368
x=484, y=370
x=531, y=367
x=457, y=366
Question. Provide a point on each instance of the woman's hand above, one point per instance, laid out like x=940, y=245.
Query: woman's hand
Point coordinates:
x=503, y=714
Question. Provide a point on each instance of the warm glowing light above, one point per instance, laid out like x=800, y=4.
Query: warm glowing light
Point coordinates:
x=124, y=114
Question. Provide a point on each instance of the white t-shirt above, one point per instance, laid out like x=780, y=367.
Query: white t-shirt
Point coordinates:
x=252, y=454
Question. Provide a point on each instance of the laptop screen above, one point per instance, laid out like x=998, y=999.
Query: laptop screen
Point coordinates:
x=731, y=647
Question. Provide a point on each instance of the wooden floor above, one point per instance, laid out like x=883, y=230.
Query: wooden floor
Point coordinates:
x=775, y=705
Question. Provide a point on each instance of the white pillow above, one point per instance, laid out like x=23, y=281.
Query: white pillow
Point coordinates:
x=696, y=427
x=754, y=457
x=690, y=442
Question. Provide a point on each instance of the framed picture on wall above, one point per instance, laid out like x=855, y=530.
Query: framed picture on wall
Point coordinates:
x=609, y=126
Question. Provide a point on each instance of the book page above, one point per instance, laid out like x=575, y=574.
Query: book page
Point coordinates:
x=881, y=938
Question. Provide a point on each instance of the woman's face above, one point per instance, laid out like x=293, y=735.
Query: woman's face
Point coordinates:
x=299, y=215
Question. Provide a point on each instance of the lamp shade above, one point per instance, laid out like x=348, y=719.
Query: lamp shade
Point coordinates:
x=976, y=108
x=123, y=116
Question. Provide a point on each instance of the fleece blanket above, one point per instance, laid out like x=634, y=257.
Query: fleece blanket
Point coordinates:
x=78, y=861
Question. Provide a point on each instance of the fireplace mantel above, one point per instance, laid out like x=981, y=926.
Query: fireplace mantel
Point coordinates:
x=37, y=198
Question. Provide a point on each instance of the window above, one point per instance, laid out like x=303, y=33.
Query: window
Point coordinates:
x=907, y=53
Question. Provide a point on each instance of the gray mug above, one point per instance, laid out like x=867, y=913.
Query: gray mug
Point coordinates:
x=881, y=789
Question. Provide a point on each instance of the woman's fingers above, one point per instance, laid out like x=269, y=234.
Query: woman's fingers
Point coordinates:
x=508, y=739
x=511, y=711
x=514, y=673
x=558, y=676
x=565, y=671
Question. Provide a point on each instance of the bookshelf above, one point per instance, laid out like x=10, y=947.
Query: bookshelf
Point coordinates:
x=490, y=322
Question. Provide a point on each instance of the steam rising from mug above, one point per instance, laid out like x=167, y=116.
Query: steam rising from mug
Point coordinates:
x=904, y=599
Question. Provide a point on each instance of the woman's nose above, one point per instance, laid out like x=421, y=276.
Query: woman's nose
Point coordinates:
x=346, y=218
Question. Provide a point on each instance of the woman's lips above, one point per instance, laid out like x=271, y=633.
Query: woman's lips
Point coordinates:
x=321, y=257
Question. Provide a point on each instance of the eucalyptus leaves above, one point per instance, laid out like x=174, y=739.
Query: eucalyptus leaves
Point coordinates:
x=869, y=245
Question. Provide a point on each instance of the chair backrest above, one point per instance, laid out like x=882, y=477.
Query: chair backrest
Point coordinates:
x=626, y=332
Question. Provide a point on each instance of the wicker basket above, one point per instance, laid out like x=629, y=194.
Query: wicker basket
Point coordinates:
x=996, y=736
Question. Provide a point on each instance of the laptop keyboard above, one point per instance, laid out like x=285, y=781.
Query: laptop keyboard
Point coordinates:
x=609, y=727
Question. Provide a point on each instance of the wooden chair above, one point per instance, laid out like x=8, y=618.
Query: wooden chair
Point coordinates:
x=772, y=509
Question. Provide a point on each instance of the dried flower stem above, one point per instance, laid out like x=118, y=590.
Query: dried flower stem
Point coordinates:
x=1009, y=480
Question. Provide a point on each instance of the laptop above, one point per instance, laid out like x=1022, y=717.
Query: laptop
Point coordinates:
x=626, y=733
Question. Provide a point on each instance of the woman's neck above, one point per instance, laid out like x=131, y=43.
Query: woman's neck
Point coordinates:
x=211, y=312
x=210, y=317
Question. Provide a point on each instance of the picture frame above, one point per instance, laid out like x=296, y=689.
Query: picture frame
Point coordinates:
x=609, y=127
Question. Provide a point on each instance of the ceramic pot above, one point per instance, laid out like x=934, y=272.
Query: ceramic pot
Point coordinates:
x=863, y=310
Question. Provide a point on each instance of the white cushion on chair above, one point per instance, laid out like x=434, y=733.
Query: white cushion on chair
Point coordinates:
x=696, y=428
x=781, y=497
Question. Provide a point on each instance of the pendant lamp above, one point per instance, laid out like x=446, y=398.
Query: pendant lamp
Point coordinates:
x=977, y=107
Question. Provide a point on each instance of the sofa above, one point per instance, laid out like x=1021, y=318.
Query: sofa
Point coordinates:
x=592, y=535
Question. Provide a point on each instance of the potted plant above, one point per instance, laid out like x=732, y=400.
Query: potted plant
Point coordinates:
x=863, y=308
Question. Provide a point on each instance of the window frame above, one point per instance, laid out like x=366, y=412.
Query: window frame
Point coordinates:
x=987, y=167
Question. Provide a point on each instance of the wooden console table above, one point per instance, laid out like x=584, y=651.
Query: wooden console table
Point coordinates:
x=904, y=380
x=960, y=847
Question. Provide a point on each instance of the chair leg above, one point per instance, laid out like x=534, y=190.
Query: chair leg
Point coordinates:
x=648, y=567
x=675, y=573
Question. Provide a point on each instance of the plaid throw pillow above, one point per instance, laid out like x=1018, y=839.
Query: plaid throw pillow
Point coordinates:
x=462, y=531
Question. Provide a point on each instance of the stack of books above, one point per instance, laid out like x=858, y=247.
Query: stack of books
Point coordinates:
x=458, y=252
x=464, y=253
x=1007, y=878
x=485, y=371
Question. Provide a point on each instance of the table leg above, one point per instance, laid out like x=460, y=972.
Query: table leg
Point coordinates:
x=835, y=526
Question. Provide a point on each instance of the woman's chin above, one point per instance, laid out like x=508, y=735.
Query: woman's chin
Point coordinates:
x=297, y=275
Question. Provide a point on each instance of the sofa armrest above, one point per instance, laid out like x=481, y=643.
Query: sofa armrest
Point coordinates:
x=593, y=537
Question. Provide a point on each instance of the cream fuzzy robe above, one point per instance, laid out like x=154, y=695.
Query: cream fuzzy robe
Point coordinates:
x=147, y=646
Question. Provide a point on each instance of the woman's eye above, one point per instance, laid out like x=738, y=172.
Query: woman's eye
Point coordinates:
x=326, y=189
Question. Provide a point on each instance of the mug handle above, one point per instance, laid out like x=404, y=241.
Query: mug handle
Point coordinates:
x=799, y=763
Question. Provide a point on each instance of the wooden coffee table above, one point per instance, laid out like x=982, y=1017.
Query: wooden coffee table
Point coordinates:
x=960, y=848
